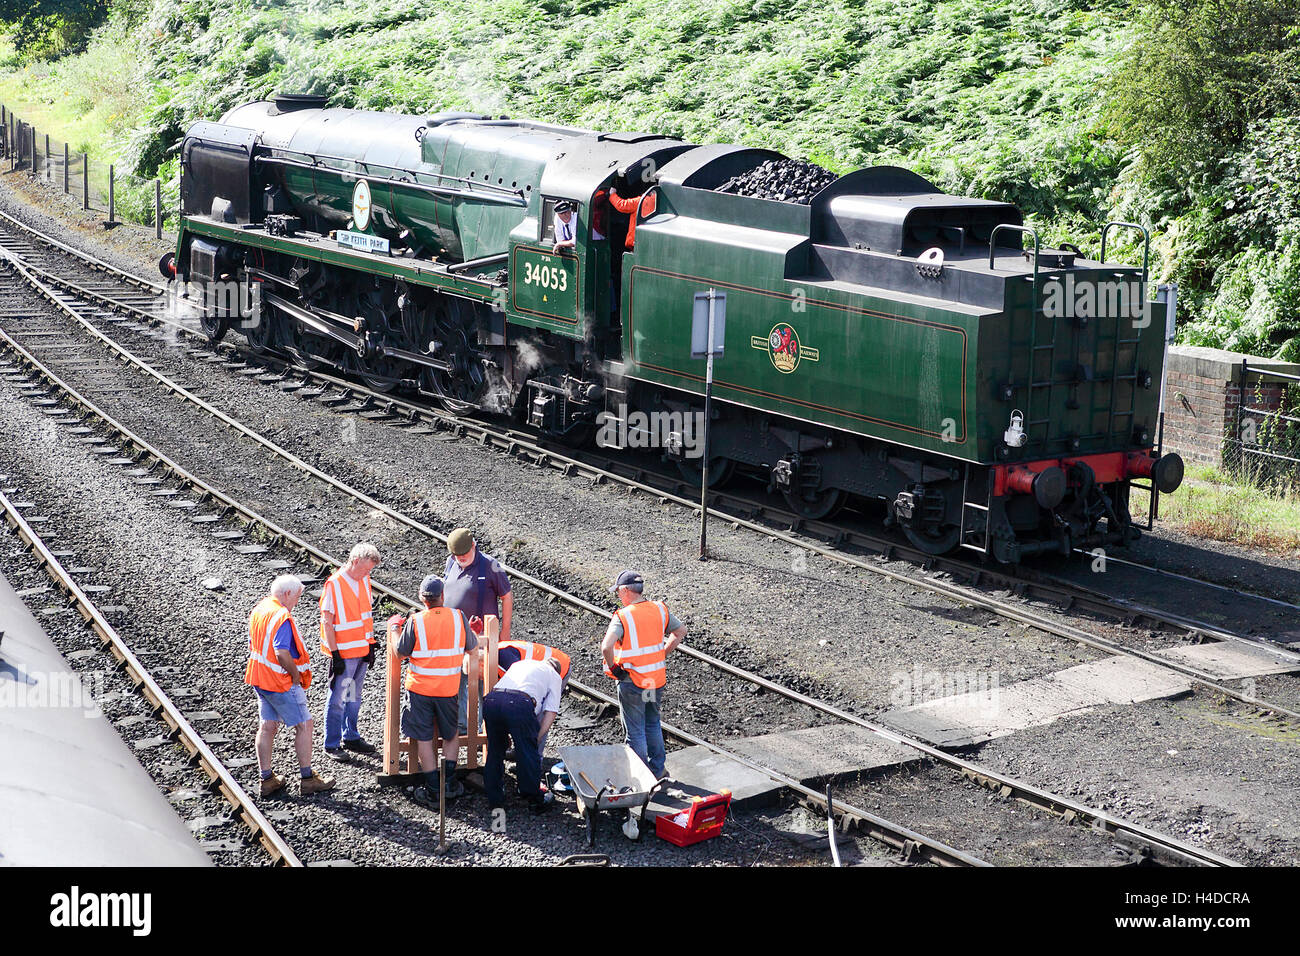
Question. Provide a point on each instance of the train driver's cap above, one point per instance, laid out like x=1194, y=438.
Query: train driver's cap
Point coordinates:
x=630, y=580
x=564, y=206
x=431, y=587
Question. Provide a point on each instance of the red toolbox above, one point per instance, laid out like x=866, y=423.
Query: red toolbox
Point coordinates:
x=702, y=820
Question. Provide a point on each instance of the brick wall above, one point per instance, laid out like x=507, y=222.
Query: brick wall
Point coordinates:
x=1201, y=397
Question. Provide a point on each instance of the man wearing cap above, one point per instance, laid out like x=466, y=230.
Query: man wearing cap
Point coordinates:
x=522, y=706
x=641, y=635
x=476, y=584
x=565, y=226
x=347, y=637
x=437, y=640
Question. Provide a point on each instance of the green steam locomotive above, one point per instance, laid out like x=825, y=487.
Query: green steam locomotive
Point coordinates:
x=882, y=341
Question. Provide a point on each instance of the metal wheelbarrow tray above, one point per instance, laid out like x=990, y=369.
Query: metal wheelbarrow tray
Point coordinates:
x=598, y=774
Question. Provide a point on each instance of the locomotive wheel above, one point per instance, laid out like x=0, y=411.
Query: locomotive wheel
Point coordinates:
x=936, y=542
x=721, y=470
x=300, y=346
x=213, y=327
x=452, y=395
x=456, y=390
x=379, y=375
x=259, y=329
x=378, y=307
x=819, y=505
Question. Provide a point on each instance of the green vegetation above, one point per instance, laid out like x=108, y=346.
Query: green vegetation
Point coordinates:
x=45, y=28
x=1213, y=504
x=1184, y=114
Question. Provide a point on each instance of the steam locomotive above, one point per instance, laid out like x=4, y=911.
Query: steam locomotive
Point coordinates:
x=883, y=340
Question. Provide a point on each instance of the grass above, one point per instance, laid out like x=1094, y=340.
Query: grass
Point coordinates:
x=1212, y=504
x=92, y=102
x=89, y=101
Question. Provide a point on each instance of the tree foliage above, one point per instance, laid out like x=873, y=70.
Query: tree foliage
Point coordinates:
x=46, y=28
x=1200, y=73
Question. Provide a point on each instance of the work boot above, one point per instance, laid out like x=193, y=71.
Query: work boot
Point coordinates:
x=316, y=784
x=273, y=784
x=359, y=746
x=543, y=803
x=425, y=798
x=336, y=753
x=454, y=787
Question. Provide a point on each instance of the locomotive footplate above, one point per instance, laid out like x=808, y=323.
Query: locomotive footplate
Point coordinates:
x=316, y=248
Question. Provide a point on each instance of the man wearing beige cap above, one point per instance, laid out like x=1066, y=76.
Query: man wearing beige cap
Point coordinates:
x=478, y=585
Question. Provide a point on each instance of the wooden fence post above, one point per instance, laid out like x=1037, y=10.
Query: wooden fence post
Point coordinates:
x=65, y=168
x=85, y=181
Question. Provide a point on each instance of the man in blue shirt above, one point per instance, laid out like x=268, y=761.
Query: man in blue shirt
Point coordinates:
x=476, y=584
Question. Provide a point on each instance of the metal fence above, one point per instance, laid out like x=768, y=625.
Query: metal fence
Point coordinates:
x=1265, y=448
x=100, y=186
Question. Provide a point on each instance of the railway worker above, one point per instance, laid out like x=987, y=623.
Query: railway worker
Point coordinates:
x=279, y=670
x=639, y=638
x=599, y=215
x=479, y=586
x=566, y=226
x=510, y=653
x=436, y=640
x=628, y=207
x=521, y=707
x=347, y=637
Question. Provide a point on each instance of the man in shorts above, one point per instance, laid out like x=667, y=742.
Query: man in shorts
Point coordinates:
x=436, y=641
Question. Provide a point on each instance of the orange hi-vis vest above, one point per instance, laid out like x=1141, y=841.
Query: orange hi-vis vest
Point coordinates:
x=263, y=669
x=528, y=650
x=434, y=667
x=354, y=630
x=640, y=651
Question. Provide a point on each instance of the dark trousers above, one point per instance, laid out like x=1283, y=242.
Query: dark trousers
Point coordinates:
x=509, y=714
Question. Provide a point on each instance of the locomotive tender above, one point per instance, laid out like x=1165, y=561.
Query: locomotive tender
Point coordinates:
x=883, y=341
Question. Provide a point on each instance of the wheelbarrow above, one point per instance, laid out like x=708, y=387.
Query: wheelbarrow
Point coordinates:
x=610, y=777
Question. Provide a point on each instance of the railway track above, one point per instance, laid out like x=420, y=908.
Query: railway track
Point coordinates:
x=951, y=577
x=161, y=705
x=1164, y=846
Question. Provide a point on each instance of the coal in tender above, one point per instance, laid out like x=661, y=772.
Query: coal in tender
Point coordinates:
x=785, y=180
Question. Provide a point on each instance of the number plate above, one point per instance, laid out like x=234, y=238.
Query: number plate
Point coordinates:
x=544, y=285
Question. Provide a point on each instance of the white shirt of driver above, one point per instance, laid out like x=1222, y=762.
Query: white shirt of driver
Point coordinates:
x=538, y=680
x=564, y=230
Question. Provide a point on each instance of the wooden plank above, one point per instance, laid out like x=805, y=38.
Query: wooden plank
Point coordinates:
x=392, y=710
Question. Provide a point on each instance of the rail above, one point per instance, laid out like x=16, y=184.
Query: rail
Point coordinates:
x=163, y=706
